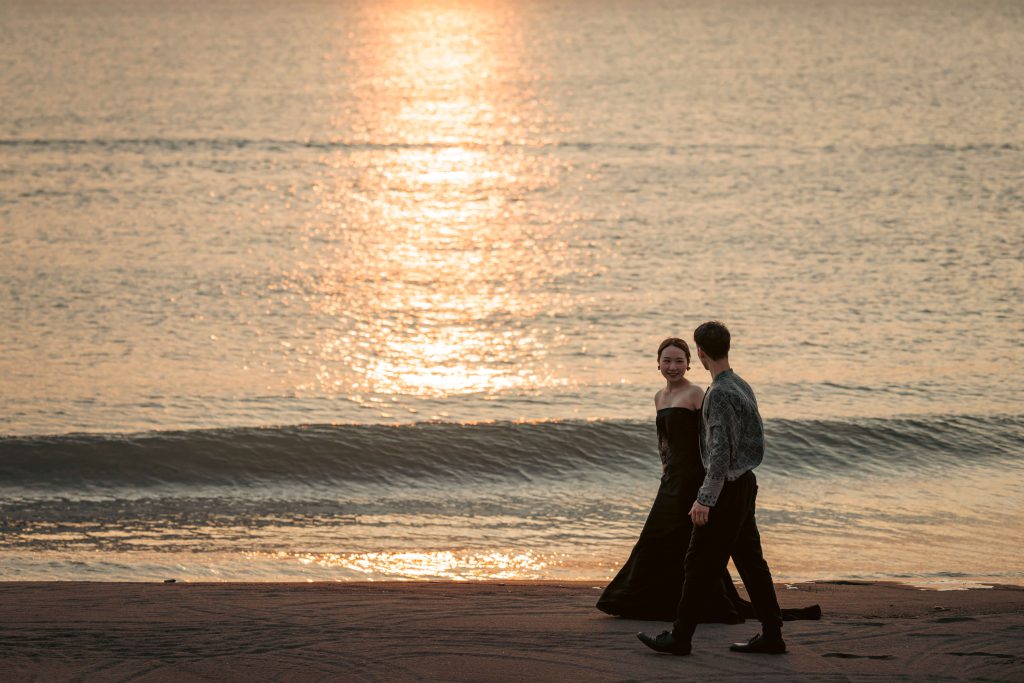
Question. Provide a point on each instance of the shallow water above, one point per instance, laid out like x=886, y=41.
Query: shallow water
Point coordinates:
x=929, y=501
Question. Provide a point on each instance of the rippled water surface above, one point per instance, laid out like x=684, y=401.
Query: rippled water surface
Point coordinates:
x=227, y=214
x=252, y=213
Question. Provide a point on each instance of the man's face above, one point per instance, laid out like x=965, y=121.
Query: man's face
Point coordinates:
x=703, y=358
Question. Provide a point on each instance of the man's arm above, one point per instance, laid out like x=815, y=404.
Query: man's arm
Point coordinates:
x=720, y=415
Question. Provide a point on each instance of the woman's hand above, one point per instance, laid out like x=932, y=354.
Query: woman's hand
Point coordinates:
x=699, y=514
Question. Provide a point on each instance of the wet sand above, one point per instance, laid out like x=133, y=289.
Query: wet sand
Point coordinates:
x=484, y=632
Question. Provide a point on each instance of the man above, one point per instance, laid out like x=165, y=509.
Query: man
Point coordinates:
x=732, y=445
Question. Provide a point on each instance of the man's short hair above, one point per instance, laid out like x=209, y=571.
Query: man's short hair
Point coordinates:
x=713, y=336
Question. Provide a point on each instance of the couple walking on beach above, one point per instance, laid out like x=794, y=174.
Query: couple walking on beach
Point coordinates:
x=710, y=442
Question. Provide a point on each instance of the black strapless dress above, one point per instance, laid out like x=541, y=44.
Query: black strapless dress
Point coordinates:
x=650, y=583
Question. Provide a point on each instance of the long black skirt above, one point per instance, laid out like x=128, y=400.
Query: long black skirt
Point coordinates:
x=650, y=583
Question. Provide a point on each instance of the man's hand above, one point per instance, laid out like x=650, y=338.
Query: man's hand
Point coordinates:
x=699, y=514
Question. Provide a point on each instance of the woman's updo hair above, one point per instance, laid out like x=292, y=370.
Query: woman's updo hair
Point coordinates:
x=679, y=344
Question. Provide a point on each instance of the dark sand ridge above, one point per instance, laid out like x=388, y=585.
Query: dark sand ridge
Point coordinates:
x=483, y=632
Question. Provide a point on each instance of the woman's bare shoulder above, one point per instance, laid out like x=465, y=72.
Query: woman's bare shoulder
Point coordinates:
x=695, y=394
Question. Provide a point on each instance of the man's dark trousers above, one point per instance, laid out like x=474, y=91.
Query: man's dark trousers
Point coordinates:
x=731, y=530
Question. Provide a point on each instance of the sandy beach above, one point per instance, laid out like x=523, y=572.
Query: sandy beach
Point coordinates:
x=483, y=632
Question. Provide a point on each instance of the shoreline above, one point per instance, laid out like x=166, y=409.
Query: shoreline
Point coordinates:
x=484, y=631
x=780, y=586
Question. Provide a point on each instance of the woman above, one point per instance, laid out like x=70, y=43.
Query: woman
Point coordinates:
x=649, y=585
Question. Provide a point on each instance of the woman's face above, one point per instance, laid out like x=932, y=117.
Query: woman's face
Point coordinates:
x=672, y=363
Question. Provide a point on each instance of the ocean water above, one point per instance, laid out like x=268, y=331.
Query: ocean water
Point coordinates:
x=365, y=290
x=930, y=501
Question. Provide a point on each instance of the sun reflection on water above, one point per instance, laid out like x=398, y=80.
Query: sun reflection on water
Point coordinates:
x=442, y=564
x=425, y=260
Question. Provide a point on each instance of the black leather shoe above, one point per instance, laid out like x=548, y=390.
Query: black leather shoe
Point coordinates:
x=763, y=645
x=664, y=642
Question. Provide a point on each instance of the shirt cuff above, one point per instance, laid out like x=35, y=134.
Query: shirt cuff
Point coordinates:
x=708, y=494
